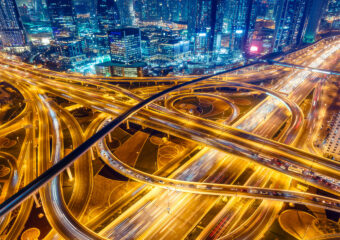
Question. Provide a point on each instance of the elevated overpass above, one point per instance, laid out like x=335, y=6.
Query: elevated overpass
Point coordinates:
x=327, y=167
x=317, y=70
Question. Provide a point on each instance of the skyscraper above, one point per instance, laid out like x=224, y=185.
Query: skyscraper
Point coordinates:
x=238, y=23
x=127, y=12
x=62, y=17
x=108, y=15
x=38, y=6
x=150, y=10
x=289, y=24
x=168, y=10
x=125, y=45
x=12, y=32
x=182, y=11
x=333, y=8
x=201, y=25
x=314, y=11
x=330, y=19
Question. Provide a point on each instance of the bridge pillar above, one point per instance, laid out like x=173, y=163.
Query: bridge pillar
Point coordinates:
x=36, y=201
x=92, y=153
x=110, y=138
x=69, y=174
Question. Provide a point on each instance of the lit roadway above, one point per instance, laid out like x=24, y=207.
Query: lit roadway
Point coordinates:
x=224, y=137
x=227, y=150
x=284, y=64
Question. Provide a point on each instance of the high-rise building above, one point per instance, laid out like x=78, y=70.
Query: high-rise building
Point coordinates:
x=127, y=12
x=333, y=8
x=288, y=24
x=62, y=16
x=201, y=25
x=265, y=9
x=167, y=10
x=330, y=19
x=237, y=27
x=149, y=47
x=12, y=32
x=150, y=10
x=183, y=11
x=38, y=6
x=109, y=18
x=314, y=11
x=108, y=15
x=125, y=45
x=86, y=6
x=174, y=49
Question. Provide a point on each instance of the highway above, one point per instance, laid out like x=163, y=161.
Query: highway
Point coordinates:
x=135, y=221
x=296, y=157
x=124, y=232
x=226, y=147
x=284, y=64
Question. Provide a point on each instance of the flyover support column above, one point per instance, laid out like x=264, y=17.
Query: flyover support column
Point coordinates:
x=92, y=153
x=37, y=203
x=110, y=137
x=69, y=174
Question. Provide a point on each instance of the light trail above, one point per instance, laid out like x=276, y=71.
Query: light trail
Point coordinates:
x=232, y=142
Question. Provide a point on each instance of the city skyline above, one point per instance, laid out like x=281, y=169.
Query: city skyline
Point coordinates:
x=164, y=119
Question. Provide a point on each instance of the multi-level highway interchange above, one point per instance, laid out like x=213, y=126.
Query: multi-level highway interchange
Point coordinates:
x=228, y=156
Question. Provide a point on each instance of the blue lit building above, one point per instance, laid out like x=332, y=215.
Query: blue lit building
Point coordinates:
x=333, y=8
x=238, y=25
x=167, y=10
x=108, y=15
x=180, y=11
x=62, y=16
x=314, y=11
x=201, y=25
x=12, y=32
x=212, y=22
x=289, y=24
x=149, y=47
x=38, y=6
x=125, y=45
x=330, y=20
x=175, y=49
x=127, y=12
x=150, y=10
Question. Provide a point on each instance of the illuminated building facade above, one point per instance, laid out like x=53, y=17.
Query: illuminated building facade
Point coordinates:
x=125, y=45
x=11, y=28
x=38, y=6
x=149, y=47
x=238, y=24
x=167, y=10
x=175, y=49
x=213, y=21
x=62, y=18
x=333, y=8
x=108, y=15
x=201, y=25
x=127, y=12
x=289, y=24
x=314, y=11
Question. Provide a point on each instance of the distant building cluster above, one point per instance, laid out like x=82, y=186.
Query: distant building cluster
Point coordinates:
x=178, y=35
x=12, y=33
